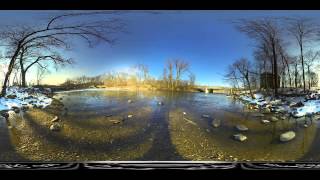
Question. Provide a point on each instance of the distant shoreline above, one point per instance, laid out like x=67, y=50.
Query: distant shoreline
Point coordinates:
x=133, y=88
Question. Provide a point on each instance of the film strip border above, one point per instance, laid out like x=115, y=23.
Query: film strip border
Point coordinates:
x=158, y=165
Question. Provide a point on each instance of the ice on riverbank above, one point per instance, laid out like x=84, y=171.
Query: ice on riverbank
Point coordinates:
x=30, y=97
x=297, y=106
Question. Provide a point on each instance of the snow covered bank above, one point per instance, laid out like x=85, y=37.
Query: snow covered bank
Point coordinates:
x=298, y=106
x=25, y=97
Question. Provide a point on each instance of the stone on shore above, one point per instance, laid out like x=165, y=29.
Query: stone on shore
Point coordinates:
x=11, y=96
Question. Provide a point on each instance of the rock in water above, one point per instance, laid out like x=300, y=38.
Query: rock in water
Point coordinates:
x=264, y=121
x=240, y=137
x=274, y=119
x=130, y=116
x=129, y=101
x=115, y=121
x=216, y=123
x=205, y=116
x=55, y=127
x=160, y=103
x=16, y=109
x=258, y=115
x=55, y=119
x=241, y=127
x=287, y=136
x=184, y=113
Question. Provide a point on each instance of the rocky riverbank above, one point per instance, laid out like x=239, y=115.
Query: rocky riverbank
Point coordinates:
x=20, y=99
x=295, y=106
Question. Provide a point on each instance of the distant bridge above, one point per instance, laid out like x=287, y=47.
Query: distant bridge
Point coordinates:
x=211, y=89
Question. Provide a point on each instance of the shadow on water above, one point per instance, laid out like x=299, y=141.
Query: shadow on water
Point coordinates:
x=162, y=148
x=98, y=147
x=314, y=152
x=7, y=150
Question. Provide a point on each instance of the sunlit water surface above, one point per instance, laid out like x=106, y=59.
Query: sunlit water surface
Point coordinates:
x=96, y=127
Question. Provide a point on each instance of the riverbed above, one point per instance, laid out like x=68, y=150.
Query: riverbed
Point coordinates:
x=105, y=125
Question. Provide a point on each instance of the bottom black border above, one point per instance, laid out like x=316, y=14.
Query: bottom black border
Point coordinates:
x=159, y=165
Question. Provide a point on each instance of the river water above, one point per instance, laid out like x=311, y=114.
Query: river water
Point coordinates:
x=102, y=125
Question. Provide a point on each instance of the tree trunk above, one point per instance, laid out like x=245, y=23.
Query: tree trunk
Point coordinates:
x=302, y=63
x=6, y=80
x=296, y=76
x=23, y=79
x=275, y=77
x=10, y=68
x=309, y=77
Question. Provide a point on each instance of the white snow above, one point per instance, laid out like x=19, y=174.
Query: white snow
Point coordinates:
x=24, y=97
x=310, y=107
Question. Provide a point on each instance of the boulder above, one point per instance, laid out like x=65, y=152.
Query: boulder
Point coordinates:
x=287, y=136
x=55, y=127
x=55, y=119
x=130, y=116
x=240, y=137
x=129, y=101
x=241, y=127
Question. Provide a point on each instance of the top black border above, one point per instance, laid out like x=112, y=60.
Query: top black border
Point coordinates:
x=159, y=5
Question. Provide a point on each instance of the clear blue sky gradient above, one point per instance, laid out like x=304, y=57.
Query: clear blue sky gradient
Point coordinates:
x=206, y=39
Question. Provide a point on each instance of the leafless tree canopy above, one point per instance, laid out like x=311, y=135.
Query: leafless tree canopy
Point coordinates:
x=27, y=41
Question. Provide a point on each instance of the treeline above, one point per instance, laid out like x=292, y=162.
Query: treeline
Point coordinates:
x=176, y=76
x=285, y=55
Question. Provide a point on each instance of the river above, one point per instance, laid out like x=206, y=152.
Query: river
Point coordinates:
x=103, y=125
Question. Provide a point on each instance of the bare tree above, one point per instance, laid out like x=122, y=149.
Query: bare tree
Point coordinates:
x=181, y=67
x=41, y=70
x=310, y=58
x=265, y=31
x=240, y=70
x=192, y=79
x=170, y=75
x=304, y=31
x=59, y=30
x=143, y=72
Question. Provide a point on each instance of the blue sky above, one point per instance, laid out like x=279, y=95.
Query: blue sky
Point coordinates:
x=205, y=39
